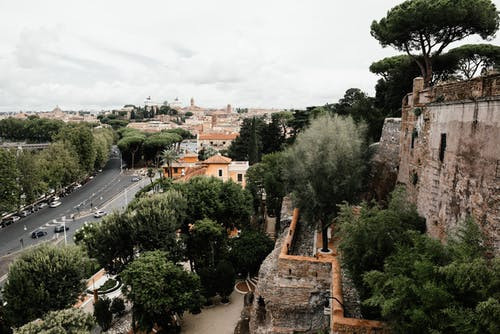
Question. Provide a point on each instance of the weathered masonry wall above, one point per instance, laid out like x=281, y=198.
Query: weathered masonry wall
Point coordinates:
x=450, y=154
x=385, y=161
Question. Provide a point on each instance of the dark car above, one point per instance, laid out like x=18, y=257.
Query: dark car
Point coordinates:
x=38, y=234
x=60, y=228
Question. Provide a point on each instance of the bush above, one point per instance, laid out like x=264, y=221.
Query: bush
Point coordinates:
x=117, y=306
x=102, y=313
x=225, y=279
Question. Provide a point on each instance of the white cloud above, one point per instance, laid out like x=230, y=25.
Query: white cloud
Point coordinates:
x=103, y=54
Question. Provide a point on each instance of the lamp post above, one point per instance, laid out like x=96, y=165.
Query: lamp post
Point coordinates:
x=64, y=227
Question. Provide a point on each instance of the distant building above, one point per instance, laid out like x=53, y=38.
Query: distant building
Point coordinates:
x=215, y=140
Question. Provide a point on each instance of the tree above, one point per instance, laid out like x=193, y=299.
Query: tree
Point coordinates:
x=155, y=221
x=248, y=145
x=429, y=287
x=9, y=185
x=156, y=144
x=235, y=205
x=102, y=313
x=58, y=165
x=131, y=144
x=472, y=57
x=326, y=167
x=117, y=306
x=368, y=238
x=207, y=243
x=81, y=139
x=269, y=175
x=41, y=280
x=67, y=321
x=206, y=152
x=249, y=250
x=168, y=157
x=429, y=26
x=30, y=176
x=110, y=242
x=159, y=289
x=226, y=278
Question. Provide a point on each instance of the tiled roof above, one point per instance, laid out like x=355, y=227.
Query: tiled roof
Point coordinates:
x=192, y=172
x=217, y=159
x=218, y=136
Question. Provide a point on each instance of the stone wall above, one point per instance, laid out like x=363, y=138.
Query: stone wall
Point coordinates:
x=385, y=161
x=450, y=155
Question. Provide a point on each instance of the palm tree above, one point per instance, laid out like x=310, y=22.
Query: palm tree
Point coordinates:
x=168, y=157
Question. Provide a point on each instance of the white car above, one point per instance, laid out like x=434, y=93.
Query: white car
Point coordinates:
x=42, y=205
x=77, y=186
x=100, y=213
x=55, y=204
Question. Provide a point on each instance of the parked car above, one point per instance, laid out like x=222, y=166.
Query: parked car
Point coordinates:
x=60, y=228
x=25, y=213
x=15, y=218
x=55, y=199
x=55, y=204
x=136, y=179
x=77, y=186
x=38, y=234
x=100, y=213
x=42, y=205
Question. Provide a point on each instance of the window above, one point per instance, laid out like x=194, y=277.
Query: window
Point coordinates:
x=220, y=172
x=223, y=143
x=175, y=170
x=240, y=177
x=442, y=147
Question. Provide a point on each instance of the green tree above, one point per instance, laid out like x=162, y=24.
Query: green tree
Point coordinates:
x=156, y=144
x=9, y=185
x=102, y=313
x=58, y=165
x=235, y=205
x=169, y=157
x=81, y=139
x=67, y=321
x=110, y=241
x=430, y=287
x=326, y=167
x=205, y=153
x=249, y=250
x=117, y=306
x=30, y=176
x=130, y=145
x=269, y=175
x=159, y=289
x=368, y=238
x=473, y=57
x=429, y=26
x=226, y=278
x=207, y=243
x=41, y=280
x=156, y=220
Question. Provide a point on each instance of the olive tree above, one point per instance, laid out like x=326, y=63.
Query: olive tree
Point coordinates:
x=427, y=27
x=325, y=167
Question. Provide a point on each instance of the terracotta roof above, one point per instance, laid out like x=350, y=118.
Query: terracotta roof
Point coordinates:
x=193, y=171
x=217, y=159
x=218, y=136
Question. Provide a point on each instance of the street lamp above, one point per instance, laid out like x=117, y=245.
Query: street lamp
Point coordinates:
x=64, y=227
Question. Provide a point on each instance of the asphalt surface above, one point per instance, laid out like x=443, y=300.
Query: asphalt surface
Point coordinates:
x=109, y=190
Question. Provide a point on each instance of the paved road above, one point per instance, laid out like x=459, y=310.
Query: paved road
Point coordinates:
x=105, y=191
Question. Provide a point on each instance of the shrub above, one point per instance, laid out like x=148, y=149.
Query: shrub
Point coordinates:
x=117, y=306
x=102, y=313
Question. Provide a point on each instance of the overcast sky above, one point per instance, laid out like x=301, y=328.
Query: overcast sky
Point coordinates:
x=97, y=55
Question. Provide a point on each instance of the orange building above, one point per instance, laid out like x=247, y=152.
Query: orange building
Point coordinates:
x=217, y=166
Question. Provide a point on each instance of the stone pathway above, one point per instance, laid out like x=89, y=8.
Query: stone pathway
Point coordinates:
x=220, y=319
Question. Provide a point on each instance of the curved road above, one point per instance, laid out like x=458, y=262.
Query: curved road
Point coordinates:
x=108, y=190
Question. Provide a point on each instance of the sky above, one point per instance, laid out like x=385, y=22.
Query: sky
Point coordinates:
x=95, y=55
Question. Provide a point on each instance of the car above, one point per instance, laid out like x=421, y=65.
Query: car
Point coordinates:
x=55, y=204
x=99, y=170
x=42, y=205
x=15, y=218
x=25, y=213
x=55, y=199
x=100, y=213
x=77, y=186
x=136, y=179
x=60, y=228
x=38, y=234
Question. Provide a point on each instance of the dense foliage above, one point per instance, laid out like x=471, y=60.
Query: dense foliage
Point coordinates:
x=159, y=289
x=67, y=321
x=41, y=280
x=367, y=238
x=249, y=250
x=76, y=150
x=426, y=286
